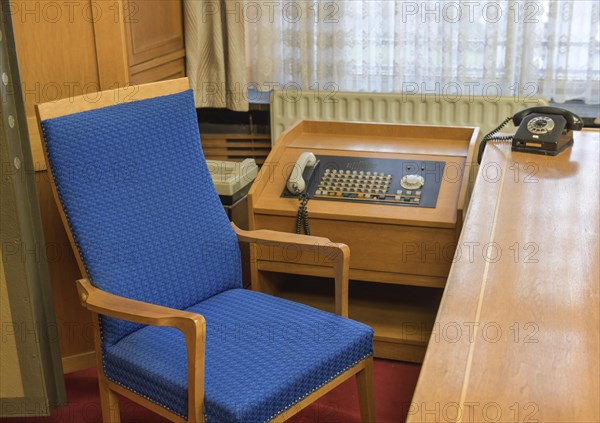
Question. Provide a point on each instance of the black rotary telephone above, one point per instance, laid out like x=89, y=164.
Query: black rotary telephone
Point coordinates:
x=541, y=130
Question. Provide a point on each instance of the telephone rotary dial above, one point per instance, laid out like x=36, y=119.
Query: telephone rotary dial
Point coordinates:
x=540, y=125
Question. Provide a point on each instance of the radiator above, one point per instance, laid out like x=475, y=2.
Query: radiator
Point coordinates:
x=288, y=108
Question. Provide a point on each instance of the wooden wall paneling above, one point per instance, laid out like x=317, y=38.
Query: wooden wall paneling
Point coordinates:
x=139, y=42
x=170, y=70
x=155, y=39
x=67, y=49
x=111, y=44
x=154, y=29
x=56, y=47
x=75, y=324
x=57, y=56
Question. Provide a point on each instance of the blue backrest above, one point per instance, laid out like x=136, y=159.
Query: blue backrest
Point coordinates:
x=141, y=205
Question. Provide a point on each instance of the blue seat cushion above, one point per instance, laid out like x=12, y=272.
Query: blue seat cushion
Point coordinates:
x=263, y=355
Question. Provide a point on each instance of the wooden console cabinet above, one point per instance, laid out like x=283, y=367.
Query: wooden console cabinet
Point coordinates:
x=400, y=256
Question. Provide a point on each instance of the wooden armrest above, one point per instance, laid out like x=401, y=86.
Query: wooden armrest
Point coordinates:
x=192, y=325
x=338, y=255
x=102, y=302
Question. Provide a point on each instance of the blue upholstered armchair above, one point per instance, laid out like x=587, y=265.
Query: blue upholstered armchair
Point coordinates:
x=175, y=330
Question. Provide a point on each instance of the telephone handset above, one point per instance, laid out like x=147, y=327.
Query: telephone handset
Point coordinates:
x=541, y=130
x=296, y=183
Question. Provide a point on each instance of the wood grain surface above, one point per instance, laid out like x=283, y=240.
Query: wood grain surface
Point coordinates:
x=518, y=330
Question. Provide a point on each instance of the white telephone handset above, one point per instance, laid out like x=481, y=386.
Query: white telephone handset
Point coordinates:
x=296, y=183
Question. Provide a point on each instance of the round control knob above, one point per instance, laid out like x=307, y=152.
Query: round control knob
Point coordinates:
x=412, y=182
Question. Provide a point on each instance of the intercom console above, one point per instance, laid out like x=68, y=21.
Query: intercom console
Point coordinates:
x=369, y=180
x=395, y=194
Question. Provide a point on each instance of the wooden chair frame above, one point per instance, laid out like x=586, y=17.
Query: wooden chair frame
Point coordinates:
x=193, y=325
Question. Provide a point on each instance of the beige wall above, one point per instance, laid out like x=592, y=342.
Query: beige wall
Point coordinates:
x=11, y=384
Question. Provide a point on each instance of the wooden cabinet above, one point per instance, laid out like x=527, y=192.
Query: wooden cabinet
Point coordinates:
x=154, y=30
x=79, y=48
x=400, y=255
x=73, y=48
x=155, y=40
x=150, y=37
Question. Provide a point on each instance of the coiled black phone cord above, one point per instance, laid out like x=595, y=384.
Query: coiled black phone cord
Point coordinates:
x=491, y=136
x=302, y=217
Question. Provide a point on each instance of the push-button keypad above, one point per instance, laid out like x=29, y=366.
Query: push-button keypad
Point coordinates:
x=394, y=182
x=360, y=185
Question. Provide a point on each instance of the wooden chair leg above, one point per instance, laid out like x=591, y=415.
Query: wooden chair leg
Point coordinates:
x=366, y=393
x=109, y=402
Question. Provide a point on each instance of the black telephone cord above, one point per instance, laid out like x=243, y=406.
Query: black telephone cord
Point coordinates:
x=491, y=136
x=302, y=217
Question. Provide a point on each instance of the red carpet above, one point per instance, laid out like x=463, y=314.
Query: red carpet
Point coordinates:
x=394, y=386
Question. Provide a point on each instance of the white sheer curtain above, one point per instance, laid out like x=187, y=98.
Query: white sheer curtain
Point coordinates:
x=511, y=48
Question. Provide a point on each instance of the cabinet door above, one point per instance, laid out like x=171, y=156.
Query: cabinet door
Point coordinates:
x=154, y=31
x=140, y=41
x=57, y=56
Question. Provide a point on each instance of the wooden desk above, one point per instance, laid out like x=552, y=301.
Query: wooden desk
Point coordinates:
x=517, y=334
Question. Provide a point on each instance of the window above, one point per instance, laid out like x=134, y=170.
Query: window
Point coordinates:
x=540, y=48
